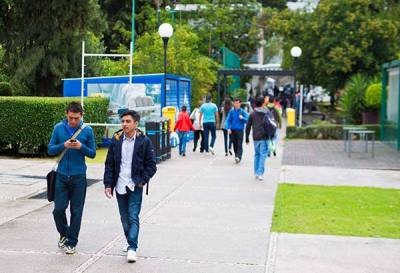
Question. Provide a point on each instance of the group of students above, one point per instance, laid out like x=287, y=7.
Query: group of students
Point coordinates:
x=130, y=162
x=236, y=125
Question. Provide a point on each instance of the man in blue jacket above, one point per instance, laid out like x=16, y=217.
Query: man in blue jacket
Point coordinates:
x=71, y=183
x=235, y=123
x=129, y=166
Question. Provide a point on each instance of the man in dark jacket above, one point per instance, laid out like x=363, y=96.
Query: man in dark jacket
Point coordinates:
x=129, y=166
x=256, y=121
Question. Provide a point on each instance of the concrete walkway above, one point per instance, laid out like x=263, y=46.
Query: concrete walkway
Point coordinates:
x=204, y=214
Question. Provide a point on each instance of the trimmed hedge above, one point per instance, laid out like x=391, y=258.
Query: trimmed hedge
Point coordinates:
x=326, y=131
x=26, y=123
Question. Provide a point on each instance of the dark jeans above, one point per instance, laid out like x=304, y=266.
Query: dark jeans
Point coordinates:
x=227, y=138
x=237, y=141
x=209, y=127
x=197, y=135
x=69, y=190
x=129, y=205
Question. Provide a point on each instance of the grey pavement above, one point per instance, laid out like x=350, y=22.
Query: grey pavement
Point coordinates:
x=300, y=253
x=204, y=213
x=330, y=153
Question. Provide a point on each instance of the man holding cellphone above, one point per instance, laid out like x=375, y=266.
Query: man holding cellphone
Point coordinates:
x=70, y=188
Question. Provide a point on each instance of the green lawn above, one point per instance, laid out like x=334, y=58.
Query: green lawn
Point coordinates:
x=100, y=158
x=352, y=211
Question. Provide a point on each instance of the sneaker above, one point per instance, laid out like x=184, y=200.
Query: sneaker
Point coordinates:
x=70, y=250
x=183, y=154
x=260, y=178
x=226, y=154
x=237, y=159
x=274, y=152
x=131, y=256
x=212, y=150
x=125, y=248
x=194, y=149
x=230, y=152
x=256, y=177
x=62, y=241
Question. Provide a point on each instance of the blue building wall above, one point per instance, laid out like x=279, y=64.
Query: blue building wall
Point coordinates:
x=178, y=87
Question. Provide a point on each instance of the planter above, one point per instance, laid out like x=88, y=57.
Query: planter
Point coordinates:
x=370, y=117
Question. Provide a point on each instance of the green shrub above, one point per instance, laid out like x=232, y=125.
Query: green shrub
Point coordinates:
x=239, y=93
x=352, y=101
x=5, y=89
x=324, y=131
x=373, y=96
x=26, y=123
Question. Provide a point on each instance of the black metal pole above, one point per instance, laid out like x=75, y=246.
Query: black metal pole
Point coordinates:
x=165, y=40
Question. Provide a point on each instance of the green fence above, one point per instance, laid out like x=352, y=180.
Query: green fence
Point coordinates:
x=390, y=117
x=231, y=60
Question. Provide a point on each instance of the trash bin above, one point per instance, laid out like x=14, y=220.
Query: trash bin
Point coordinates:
x=291, y=117
x=170, y=113
x=158, y=132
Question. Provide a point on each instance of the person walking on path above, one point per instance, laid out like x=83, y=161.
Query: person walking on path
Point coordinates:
x=256, y=123
x=276, y=113
x=78, y=141
x=129, y=165
x=210, y=119
x=235, y=123
x=198, y=126
x=183, y=126
x=224, y=113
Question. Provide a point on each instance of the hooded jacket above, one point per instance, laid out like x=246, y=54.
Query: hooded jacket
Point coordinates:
x=256, y=120
x=73, y=162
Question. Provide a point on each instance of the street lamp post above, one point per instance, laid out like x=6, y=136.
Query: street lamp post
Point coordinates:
x=165, y=30
x=296, y=53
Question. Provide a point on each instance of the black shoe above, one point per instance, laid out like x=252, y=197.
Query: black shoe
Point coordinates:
x=194, y=149
x=226, y=154
x=230, y=152
x=201, y=151
x=274, y=153
x=183, y=154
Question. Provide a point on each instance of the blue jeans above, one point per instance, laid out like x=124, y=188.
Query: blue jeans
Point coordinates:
x=182, y=142
x=129, y=205
x=69, y=190
x=260, y=154
x=209, y=127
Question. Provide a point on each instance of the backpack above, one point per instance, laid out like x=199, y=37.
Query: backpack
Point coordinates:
x=269, y=124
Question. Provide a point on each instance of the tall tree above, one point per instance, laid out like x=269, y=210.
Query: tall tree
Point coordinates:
x=42, y=40
x=339, y=39
x=227, y=23
x=183, y=59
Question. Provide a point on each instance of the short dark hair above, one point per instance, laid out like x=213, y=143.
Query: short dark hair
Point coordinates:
x=74, y=107
x=259, y=101
x=208, y=98
x=135, y=115
x=237, y=99
x=183, y=108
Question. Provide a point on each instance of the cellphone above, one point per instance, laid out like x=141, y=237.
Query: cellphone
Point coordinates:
x=72, y=140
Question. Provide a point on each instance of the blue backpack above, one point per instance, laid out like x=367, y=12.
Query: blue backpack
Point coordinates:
x=269, y=124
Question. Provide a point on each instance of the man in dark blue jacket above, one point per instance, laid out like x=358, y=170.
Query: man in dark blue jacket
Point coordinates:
x=235, y=123
x=129, y=166
x=71, y=173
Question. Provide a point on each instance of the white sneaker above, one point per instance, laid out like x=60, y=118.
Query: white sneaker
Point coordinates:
x=260, y=178
x=237, y=159
x=131, y=256
x=211, y=149
x=125, y=248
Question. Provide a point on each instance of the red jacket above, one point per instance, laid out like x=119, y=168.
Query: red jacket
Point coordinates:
x=184, y=124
